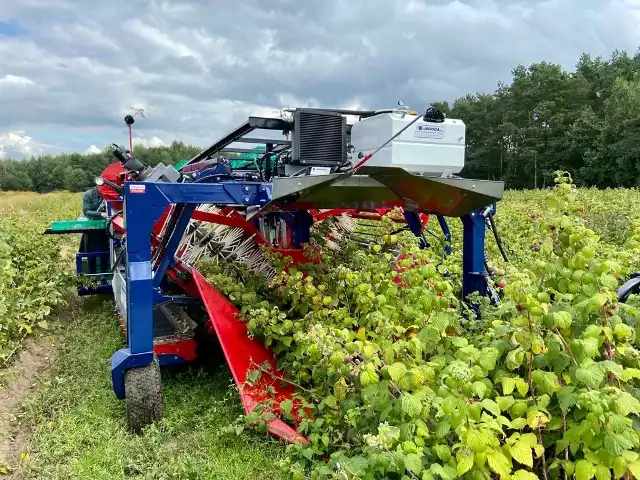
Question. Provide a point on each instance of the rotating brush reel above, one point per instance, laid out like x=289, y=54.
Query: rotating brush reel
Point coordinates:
x=218, y=242
x=244, y=244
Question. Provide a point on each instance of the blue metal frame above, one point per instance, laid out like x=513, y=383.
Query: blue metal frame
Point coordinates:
x=447, y=234
x=415, y=225
x=474, y=274
x=144, y=203
x=105, y=262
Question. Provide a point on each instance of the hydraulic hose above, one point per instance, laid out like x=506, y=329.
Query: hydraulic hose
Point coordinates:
x=496, y=235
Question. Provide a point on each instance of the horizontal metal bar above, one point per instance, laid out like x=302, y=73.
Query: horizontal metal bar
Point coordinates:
x=50, y=231
x=104, y=253
x=265, y=123
x=179, y=300
x=242, y=150
x=239, y=132
x=264, y=140
x=231, y=193
x=341, y=111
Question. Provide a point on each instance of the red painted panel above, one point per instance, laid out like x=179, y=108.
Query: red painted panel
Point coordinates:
x=243, y=354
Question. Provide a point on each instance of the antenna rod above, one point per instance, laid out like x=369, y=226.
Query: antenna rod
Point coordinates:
x=129, y=121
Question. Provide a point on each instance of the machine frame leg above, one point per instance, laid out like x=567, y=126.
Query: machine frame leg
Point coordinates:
x=473, y=269
x=145, y=202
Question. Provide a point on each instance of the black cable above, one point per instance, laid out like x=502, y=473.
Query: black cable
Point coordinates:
x=496, y=235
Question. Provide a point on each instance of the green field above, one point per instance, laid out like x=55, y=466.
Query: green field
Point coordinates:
x=572, y=362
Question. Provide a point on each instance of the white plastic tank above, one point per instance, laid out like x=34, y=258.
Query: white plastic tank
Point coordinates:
x=425, y=147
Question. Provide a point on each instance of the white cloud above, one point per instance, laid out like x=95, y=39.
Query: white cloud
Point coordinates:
x=18, y=145
x=199, y=68
x=93, y=149
x=9, y=80
x=158, y=38
x=148, y=142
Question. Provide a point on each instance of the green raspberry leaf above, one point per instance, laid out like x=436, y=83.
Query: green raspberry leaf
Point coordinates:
x=491, y=406
x=524, y=475
x=522, y=453
x=592, y=376
x=626, y=404
x=413, y=463
x=508, y=385
x=616, y=444
x=397, y=371
x=465, y=460
x=411, y=405
x=585, y=470
x=505, y=403
x=499, y=463
x=488, y=358
x=368, y=376
x=603, y=473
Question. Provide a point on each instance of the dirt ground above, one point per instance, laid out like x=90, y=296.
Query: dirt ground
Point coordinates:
x=32, y=365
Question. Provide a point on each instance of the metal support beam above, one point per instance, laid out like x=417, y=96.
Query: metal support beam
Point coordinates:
x=415, y=225
x=473, y=271
x=447, y=234
x=168, y=255
x=144, y=204
x=264, y=141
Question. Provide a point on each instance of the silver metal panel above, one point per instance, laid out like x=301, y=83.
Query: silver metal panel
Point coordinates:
x=386, y=187
x=119, y=286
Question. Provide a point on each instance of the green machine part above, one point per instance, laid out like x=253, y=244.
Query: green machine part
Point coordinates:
x=181, y=164
x=75, y=226
x=244, y=161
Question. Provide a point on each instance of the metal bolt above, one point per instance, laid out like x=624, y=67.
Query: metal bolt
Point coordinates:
x=299, y=184
x=246, y=199
x=246, y=188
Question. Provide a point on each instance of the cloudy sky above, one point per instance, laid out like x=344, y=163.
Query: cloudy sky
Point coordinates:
x=71, y=69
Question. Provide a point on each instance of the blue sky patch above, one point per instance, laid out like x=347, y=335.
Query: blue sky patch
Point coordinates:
x=10, y=28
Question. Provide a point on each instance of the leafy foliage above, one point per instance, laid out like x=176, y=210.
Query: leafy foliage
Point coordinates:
x=33, y=275
x=400, y=381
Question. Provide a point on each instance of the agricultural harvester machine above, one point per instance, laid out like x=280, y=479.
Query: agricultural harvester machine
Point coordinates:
x=318, y=165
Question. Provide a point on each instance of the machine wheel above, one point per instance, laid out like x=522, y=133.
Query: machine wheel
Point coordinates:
x=143, y=402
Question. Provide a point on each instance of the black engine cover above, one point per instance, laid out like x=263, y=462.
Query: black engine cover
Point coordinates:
x=319, y=138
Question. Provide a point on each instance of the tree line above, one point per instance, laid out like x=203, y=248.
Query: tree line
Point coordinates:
x=75, y=171
x=547, y=119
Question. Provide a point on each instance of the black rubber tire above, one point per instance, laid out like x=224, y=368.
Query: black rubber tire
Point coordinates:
x=143, y=389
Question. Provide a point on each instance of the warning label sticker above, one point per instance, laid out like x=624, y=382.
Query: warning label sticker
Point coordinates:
x=429, y=131
x=137, y=188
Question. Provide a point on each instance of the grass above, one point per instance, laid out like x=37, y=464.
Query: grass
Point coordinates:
x=79, y=427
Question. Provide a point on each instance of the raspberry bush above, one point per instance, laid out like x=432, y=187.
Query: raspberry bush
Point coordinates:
x=33, y=272
x=402, y=381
